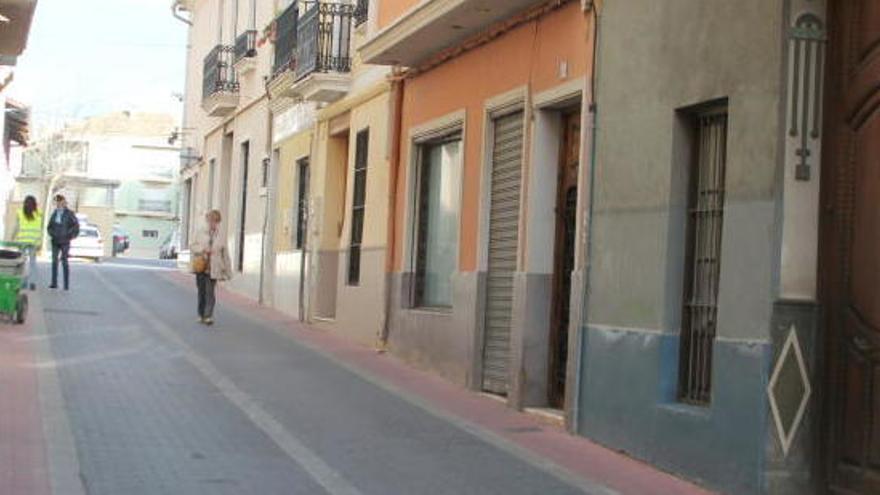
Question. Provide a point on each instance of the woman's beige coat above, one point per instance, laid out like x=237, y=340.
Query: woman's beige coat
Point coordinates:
x=221, y=266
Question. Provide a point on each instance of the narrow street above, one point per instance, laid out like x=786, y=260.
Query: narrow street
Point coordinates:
x=137, y=397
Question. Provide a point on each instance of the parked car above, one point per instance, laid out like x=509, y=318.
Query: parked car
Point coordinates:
x=89, y=244
x=170, y=247
x=121, y=240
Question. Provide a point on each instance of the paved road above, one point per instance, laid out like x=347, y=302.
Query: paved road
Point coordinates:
x=158, y=404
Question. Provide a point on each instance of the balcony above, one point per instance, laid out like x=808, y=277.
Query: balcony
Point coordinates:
x=313, y=53
x=245, y=52
x=219, y=84
x=433, y=25
x=361, y=12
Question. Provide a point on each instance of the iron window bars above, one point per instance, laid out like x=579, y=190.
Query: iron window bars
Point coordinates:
x=285, y=39
x=358, y=202
x=703, y=262
x=302, y=202
x=246, y=45
x=361, y=12
x=324, y=39
x=218, y=74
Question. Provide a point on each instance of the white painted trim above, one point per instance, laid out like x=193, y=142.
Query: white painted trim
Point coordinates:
x=570, y=90
x=786, y=439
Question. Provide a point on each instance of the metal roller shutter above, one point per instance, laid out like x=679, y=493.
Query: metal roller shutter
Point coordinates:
x=503, y=241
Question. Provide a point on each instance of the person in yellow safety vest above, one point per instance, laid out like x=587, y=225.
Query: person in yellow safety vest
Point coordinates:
x=28, y=230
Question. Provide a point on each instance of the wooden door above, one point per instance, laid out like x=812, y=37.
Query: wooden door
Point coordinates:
x=566, y=226
x=850, y=262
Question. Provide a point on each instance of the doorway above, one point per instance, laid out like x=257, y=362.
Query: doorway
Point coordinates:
x=563, y=255
x=849, y=247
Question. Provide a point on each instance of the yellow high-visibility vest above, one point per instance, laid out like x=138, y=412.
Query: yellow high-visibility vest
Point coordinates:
x=30, y=231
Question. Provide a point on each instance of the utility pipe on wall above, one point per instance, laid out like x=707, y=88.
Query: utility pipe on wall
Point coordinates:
x=397, y=86
x=591, y=99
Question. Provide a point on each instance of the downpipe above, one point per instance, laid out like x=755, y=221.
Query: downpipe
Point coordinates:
x=573, y=414
x=394, y=165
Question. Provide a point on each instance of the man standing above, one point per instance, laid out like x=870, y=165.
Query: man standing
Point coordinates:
x=63, y=228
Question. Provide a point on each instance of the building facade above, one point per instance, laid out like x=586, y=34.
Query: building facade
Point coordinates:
x=488, y=186
x=117, y=169
x=226, y=132
x=729, y=321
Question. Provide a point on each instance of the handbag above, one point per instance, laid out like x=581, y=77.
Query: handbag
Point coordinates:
x=199, y=263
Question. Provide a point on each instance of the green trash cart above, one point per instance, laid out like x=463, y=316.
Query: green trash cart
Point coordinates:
x=13, y=264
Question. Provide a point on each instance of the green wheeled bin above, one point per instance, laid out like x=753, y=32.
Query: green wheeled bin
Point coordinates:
x=13, y=300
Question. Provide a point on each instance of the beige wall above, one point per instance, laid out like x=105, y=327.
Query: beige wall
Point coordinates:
x=291, y=150
x=249, y=122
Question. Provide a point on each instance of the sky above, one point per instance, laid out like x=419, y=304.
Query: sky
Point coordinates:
x=88, y=57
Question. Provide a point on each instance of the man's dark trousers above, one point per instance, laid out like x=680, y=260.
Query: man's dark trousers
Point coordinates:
x=62, y=250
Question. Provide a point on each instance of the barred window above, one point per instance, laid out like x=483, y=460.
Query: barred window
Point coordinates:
x=358, y=200
x=703, y=258
x=302, y=202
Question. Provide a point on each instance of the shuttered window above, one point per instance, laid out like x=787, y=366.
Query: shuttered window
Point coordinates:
x=358, y=200
x=703, y=260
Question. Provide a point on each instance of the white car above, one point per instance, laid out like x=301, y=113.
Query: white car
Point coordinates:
x=89, y=244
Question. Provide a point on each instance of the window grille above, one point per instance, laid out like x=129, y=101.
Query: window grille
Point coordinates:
x=302, y=202
x=703, y=262
x=358, y=201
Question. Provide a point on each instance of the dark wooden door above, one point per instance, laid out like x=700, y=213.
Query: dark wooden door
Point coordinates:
x=850, y=265
x=566, y=214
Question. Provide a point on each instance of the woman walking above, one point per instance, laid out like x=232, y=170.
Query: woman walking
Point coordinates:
x=28, y=231
x=210, y=263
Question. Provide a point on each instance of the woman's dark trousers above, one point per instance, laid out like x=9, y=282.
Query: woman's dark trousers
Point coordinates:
x=206, y=294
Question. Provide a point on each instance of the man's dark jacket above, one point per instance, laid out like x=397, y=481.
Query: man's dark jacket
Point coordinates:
x=64, y=232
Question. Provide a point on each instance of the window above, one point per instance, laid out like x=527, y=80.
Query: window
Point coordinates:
x=212, y=173
x=264, y=176
x=436, y=229
x=150, y=234
x=361, y=12
x=302, y=202
x=703, y=258
x=358, y=200
x=245, y=159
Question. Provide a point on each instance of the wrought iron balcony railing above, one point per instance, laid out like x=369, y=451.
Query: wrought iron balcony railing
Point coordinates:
x=246, y=45
x=361, y=12
x=218, y=75
x=285, y=39
x=324, y=39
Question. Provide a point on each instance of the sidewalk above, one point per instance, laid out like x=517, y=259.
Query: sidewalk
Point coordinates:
x=23, y=463
x=578, y=459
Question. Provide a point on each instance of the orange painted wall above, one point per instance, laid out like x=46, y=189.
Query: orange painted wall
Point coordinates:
x=391, y=10
x=529, y=56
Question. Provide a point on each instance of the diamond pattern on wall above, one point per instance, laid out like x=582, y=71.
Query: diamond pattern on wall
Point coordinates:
x=789, y=390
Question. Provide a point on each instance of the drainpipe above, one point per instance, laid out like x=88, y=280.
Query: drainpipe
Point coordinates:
x=394, y=165
x=176, y=10
x=572, y=425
